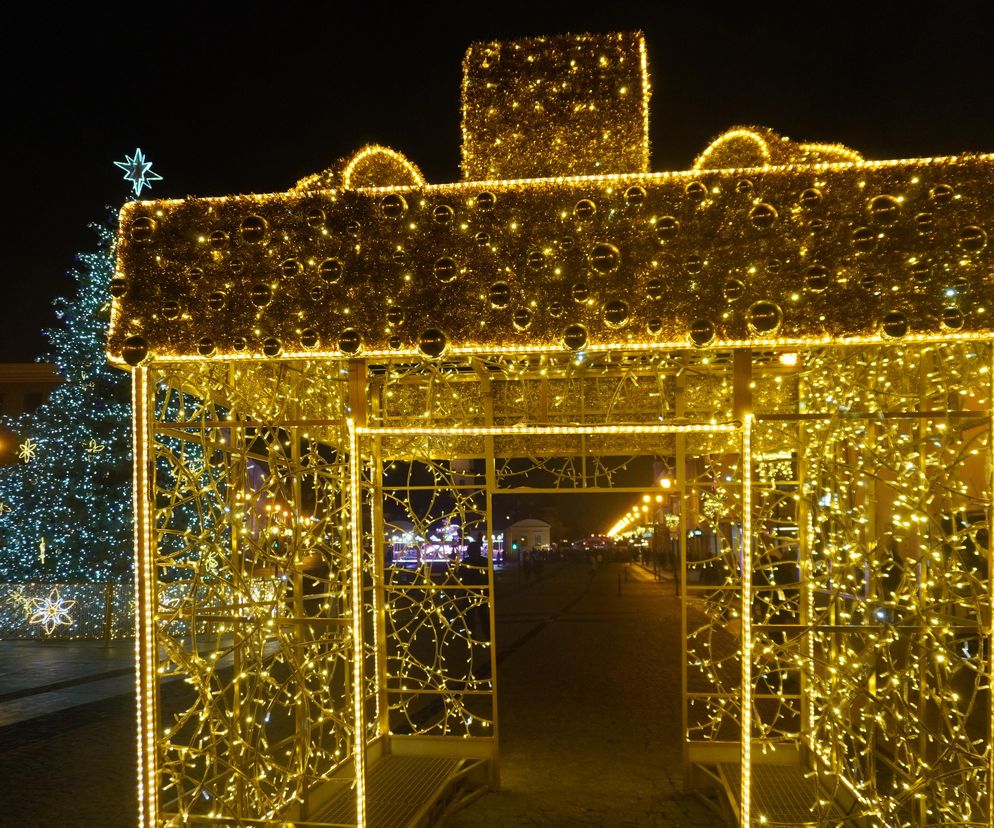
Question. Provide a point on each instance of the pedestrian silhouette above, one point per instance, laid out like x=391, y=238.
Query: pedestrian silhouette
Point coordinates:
x=473, y=574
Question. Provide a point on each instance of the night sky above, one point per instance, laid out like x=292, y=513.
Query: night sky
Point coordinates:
x=250, y=98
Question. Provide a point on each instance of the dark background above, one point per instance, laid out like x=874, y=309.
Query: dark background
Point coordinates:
x=228, y=98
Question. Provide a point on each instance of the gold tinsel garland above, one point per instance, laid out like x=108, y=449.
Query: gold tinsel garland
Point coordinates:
x=784, y=243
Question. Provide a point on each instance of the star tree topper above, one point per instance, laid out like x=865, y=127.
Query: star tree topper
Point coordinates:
x=138, y=171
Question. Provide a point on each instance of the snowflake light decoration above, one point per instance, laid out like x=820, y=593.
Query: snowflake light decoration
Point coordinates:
x=18, y=598
x=52, y=611
x=138, y=171
x=27, y=450
x=713, y=505
x=212, y=561
x=773, y=469
x=93, y=447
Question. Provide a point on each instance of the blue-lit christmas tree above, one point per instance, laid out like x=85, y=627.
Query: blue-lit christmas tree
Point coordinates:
x=65, y=508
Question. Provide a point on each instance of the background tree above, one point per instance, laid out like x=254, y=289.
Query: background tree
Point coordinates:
x=65, y=507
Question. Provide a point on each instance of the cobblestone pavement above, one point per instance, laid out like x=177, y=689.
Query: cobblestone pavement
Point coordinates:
x=589, y=695
x=590, y=707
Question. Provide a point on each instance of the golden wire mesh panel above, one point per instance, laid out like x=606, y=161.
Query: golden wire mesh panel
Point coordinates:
x=437, y=644
x=712, y=509
x=254, y=610
x=882, y=504
x=543, y=389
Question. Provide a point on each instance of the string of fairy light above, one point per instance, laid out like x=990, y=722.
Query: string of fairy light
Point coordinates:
x=66, y=565
x=873, y=381
x=869, y=381
x=64, y=522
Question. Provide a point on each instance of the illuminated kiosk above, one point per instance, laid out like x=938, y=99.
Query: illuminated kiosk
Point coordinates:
x=801, y=336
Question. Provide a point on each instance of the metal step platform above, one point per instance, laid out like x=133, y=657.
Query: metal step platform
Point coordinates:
x=782, y=795
x=410, y=792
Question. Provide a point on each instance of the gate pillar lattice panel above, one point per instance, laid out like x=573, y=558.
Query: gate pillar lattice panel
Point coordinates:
x=434, y=654
x=869, y=592
x=245, y=606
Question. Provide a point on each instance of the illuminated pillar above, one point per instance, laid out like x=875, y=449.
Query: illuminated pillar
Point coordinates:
x=146, y=657
x=745, y=815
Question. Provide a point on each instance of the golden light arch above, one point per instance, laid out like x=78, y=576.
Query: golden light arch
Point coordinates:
x=805, y=337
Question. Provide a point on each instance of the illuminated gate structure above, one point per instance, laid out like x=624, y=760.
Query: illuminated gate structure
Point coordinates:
x=799, y=336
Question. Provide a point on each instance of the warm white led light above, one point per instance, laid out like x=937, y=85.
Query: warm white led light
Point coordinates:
x=358, y=693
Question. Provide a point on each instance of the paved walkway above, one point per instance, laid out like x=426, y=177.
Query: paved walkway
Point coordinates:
x=71, y=768
x=38, y=678
x=589, y=694
x=589, y=706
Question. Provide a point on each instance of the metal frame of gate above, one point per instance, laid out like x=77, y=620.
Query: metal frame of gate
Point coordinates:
x=842, y=304
x=338, y=794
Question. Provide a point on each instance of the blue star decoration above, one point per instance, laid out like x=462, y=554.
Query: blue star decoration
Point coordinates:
x=138, y=171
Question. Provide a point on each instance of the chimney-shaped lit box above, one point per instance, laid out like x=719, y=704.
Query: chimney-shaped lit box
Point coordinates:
x=800, y=334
